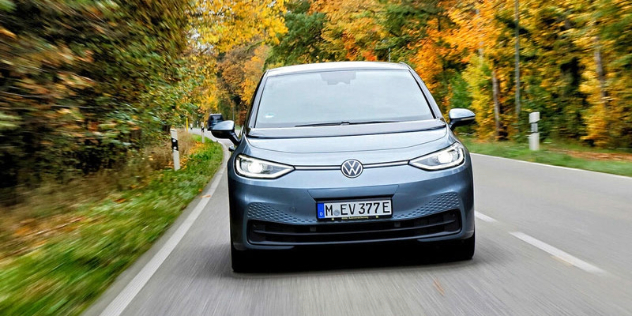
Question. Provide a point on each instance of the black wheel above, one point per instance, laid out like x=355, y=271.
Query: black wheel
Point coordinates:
x=241, y=261
x=464, y=249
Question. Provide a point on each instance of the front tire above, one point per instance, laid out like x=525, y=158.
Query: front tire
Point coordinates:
x=241, y=261
x=464, y=249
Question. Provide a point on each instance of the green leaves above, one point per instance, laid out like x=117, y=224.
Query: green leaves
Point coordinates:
x=303, y=42
x=7, y=121
x=6, y=5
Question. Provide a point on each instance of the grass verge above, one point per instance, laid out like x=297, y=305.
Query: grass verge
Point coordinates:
x=552, y=154
x=64, y=274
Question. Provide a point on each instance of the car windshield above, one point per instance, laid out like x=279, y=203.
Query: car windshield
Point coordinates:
x=341, y=98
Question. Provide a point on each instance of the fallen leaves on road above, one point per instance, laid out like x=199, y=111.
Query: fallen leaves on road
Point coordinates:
x=438, y=287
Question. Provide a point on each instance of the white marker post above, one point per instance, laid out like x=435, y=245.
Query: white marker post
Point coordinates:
x=174, y=149
x=534, y=138
x=203, y=134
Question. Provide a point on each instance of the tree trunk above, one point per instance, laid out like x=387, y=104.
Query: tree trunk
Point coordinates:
x=496, y=94
x=601, y=73
x=517, y=66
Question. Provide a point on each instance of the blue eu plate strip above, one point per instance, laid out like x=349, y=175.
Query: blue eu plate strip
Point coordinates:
x=321, y=210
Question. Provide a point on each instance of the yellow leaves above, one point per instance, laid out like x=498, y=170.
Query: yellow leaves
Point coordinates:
x=478, y=77
x=598, y=125
x=353, y=26
x=33, y=87
x=64, y=111
x=226, y=24
x=253, y=69
x=7, y=33
x=477, y=25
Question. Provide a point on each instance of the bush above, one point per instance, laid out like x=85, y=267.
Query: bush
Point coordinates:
x=83, y=83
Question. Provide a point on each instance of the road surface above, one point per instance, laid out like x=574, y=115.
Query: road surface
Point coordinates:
x=550, y=241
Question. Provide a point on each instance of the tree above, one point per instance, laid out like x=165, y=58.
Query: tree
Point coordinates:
x=78, y=78
x=303, y=42
x=353, y=30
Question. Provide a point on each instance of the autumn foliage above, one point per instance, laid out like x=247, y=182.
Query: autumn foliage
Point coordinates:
x=84, y=84
x=575, y=57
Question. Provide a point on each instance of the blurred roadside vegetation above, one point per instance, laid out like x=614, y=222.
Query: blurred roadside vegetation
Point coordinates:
x=556, y=153
x=59, y=253
x=90, y=88
x=575, y=58
x=86, y=85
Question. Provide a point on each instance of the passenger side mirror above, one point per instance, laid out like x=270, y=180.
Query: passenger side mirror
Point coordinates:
x=225, y=129
x=460, y=117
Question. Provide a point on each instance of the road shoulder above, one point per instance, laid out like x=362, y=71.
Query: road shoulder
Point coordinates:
x=124, y=279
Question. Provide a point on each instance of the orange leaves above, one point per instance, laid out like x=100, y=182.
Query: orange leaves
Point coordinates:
x=7, y=33
x=253, y=69
x=427, y=62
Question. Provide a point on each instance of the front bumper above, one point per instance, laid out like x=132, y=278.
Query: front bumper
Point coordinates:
x=281, y=213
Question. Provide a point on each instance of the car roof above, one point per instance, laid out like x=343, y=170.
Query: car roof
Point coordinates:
x=333, y=66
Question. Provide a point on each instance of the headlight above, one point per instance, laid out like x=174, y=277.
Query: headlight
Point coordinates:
x=442, y=159
x=256, y=168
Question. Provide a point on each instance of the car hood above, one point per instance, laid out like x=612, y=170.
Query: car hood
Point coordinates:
x=348, y=143
x=375, y=148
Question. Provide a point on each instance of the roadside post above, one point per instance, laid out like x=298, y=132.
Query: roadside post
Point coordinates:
x=203, y=133
x=174, y=149
x=534, y=137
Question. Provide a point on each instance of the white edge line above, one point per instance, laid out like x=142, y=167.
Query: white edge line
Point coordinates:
x=484, y=217
x=558, y=253
x=125, y=297
x=553, y=166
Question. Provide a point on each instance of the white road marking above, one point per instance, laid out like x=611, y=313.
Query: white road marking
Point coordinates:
x=118, y=305
x=564, y=256
x=552, y=166
x=484, y=217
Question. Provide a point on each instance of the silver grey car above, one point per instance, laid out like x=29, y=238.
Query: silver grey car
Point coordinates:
x=347, y=153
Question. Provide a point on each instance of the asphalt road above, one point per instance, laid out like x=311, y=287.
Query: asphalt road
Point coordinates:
x=550, y=241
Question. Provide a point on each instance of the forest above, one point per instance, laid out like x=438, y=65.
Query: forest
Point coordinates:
x=85, y=84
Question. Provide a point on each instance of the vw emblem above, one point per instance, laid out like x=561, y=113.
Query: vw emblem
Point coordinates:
x=351, y=168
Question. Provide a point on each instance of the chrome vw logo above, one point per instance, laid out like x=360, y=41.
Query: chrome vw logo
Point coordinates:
x=351, y=168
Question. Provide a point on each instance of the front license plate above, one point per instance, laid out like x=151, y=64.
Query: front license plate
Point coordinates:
x=355, y=209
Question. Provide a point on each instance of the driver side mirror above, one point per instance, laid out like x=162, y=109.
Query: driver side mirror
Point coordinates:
x=460, y=117
x=225, y=129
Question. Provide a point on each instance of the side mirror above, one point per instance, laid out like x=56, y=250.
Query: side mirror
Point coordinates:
x=225, y=129
x=460, y=117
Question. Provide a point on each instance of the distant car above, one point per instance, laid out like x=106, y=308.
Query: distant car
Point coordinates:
x=213, y=119
x=347, y=153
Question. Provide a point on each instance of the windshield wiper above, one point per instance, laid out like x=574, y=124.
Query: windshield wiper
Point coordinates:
x=344, y=123
x=371, y=122
x=324, y=124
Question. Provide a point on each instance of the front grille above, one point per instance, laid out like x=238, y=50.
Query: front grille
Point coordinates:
x=269, y=233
